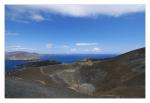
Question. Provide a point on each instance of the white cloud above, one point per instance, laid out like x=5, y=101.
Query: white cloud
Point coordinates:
x=23, y=14
x=34, y=12
x=12, y=34
x=85, y=44
x=93, y=10
x=97, y=50
x=37, y=18
x=49, y=46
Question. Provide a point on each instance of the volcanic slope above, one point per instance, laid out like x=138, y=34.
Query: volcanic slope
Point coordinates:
x=122, y=76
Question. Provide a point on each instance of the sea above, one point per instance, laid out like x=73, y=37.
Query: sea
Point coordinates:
x=12, y=65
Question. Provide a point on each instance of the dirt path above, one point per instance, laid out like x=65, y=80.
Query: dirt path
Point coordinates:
x=42, y=72
x=51, y=76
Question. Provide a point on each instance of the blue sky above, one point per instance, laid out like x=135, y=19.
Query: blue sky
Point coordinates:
x=59, y=29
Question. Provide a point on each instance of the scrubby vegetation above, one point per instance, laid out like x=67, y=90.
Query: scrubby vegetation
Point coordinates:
x=40, y=63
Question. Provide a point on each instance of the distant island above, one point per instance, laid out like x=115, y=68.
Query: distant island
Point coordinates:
x=122, y=76
x=21, y=55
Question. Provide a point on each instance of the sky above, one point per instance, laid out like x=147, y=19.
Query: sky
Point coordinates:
x=74, y=29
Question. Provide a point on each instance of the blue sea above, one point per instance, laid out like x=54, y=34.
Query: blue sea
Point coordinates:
x=11, y=65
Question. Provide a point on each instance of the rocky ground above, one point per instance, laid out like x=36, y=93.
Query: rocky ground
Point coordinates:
x=119, y=77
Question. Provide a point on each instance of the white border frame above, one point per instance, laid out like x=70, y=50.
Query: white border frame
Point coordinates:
x=2, y=19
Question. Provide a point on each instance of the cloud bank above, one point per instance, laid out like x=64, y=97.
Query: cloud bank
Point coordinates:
x=91, y=10
x=35, y=12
